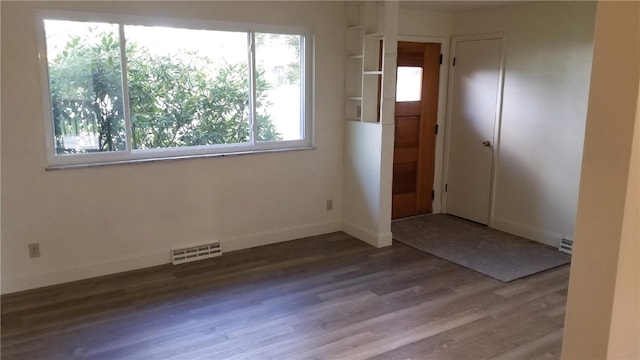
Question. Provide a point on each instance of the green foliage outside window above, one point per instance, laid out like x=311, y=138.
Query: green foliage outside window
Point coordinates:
x=173, y=102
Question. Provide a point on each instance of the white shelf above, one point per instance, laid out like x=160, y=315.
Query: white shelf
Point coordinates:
x=363, y=40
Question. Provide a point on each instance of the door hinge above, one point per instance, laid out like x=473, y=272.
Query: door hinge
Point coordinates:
x=433, y=194
x=436, y=129
x=446, y=187
x=440, y=59
x=454, y=61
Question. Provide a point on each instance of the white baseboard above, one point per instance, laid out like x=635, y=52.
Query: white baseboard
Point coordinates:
x=139, y=261
x=370, y=237
x=246, y=241
x=86, y=271
x=526, y=231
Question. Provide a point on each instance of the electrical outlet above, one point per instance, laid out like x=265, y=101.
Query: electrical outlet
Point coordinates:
x=34, y=250
x=329, y=204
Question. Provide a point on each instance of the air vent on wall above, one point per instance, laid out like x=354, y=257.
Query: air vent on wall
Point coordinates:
x=566, y=246
x=193, y=253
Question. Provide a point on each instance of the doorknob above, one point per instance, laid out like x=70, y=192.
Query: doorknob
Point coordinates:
x=486, y=143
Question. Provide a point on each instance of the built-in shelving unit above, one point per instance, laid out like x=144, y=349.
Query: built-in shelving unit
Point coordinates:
x=370, y=63
x=364, y=62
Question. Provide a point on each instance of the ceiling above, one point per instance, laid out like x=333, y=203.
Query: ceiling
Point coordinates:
x=453, y=6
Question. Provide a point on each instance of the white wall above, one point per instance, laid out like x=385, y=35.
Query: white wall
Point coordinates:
x=102, y=220
x=548, y=64
x=603, y=305
x=362, y=182
x=424, y=23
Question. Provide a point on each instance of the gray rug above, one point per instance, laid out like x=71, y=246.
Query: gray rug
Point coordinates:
x=491, y=252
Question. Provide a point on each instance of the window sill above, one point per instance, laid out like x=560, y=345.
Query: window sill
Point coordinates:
x=173, y=158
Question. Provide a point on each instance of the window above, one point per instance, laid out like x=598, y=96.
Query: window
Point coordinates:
x=409, y=83
x=127, y=89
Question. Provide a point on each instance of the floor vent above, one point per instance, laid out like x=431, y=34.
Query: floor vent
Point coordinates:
x=566, y=246
x=193, y=253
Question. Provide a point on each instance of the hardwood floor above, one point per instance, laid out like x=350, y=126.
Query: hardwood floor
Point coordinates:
x=324, y=297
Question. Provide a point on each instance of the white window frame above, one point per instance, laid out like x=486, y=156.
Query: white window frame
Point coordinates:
x=143, y=155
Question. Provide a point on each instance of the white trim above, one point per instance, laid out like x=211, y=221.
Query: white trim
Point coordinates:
x=497, y=127
x=441, y=121
x=131, y=155
x=85, y=271
x=253, y=70
x=370, y=237
x=307, y=79
x=497, y=123
x=139, y=261
x=126, y=104
x=45, y=93
x=119, y=157
x=164, y=21
x=171, y=158
x=526, y=231
x=245, y=241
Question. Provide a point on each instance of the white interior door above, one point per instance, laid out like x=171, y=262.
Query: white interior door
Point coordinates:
x=476, y=83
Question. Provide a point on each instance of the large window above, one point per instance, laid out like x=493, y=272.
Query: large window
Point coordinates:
x=127, y=89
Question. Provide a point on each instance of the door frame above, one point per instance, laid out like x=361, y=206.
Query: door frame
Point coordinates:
x=497, y=122
x=438, y=183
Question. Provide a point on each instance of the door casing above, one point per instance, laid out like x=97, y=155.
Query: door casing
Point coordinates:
x=438, y=184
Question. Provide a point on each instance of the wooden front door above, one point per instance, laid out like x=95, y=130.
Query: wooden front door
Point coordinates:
x=415, y=128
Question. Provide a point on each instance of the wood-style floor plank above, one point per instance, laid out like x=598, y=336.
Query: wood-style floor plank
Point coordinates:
x=323, y=297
